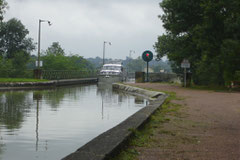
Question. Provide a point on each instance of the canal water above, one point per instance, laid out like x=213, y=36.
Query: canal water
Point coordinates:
x=50, y=124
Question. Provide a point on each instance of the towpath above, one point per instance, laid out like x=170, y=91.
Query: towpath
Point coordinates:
x=207, y=127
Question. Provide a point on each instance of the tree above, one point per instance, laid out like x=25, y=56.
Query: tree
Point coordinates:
x=206, y=32
x=13, y=39
x=19, y=64
x=136, y=65
x=55, y=59
x=3, y=6
x=55, y=49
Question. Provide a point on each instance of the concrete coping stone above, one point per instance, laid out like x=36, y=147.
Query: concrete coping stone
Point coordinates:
x=110, y=142
x=151, y=95
x=53, y=83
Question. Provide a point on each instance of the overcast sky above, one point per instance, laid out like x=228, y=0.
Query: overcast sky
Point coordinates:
x=81, y=26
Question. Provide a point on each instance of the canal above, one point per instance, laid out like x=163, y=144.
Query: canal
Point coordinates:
x=50, y=124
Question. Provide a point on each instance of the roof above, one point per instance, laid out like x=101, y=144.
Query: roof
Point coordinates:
x=118, y=65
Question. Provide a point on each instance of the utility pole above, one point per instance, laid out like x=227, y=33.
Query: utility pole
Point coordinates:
x=104, y=45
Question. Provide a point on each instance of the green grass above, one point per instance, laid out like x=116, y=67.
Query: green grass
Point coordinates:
x=15, y=80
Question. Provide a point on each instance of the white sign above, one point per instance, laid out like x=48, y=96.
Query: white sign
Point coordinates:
x=40, y=64
x=185, y=64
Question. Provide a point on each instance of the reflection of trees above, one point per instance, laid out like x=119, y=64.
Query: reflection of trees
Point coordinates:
x=55, y=96
x=139, y=100
x=13, y=107
x=109, y=95
x=52, y=97
x=2, y=146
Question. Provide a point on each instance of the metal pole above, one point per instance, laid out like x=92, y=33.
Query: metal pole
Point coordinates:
x=39, y=34
x=185, y=77
x=104, y=52
x=128, y=62
x=147, y=72
x=37, y=124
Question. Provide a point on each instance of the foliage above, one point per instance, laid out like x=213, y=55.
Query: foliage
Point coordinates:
x=15, y=49
x=237, y=76
x=3, y=6
x=97, y=62
x=205, y=32
x=136, y=65
x=55, y=49
x=13, y=107
x=55, y=59
x=161, y=65
x=13, y=39
x=5, y=67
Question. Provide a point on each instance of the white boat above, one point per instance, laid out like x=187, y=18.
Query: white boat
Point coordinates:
x=111, y=73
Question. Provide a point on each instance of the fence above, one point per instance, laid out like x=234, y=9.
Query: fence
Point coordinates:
x=165, y=77
x=64, y=74
x=48, y=74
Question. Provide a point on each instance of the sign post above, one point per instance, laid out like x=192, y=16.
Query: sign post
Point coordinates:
x=185, y=64
x=147, y=56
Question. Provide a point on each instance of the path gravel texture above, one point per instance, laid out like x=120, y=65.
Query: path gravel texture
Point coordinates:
x=207, y=127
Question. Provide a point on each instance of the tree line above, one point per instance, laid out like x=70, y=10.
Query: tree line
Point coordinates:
x=206, y=32
x=16, y=48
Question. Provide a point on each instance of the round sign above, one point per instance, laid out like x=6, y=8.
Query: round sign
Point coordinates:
x=147, y=56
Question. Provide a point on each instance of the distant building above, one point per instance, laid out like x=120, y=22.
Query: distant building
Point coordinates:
x=150, y=70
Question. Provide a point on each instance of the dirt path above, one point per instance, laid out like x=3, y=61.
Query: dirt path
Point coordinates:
x=207, y=127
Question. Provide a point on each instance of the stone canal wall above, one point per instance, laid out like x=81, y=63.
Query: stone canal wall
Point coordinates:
x=32, y=85
x=111, y=141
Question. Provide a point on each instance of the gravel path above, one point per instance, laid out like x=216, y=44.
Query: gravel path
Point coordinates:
x=207, y=127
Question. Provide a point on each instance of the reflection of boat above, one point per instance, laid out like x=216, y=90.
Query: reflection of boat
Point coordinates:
x=111, y=73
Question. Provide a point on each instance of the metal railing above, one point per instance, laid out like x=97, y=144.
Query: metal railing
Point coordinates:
x=65, y=74
x=48, y=74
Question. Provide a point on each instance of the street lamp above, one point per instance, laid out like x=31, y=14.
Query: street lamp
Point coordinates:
x=39, y=35
x=131, y=51
x=104, y=50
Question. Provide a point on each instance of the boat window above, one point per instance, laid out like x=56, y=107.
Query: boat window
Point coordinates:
x=112, y=67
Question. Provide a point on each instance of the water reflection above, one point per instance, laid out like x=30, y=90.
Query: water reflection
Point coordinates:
x=139, y=100
x=109, y=99
x=49, y=124
x=37, y=96
x=2, y=147
x=13, y=108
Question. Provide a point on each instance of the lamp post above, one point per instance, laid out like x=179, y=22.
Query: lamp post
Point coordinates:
x=131, y=51
x=39, y=39
x=104, y=44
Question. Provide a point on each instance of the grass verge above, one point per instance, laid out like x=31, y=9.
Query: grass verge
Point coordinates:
x=15, y=80
x=145, y=137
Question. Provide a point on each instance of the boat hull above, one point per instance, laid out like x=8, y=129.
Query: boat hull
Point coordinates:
x=110, y=79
